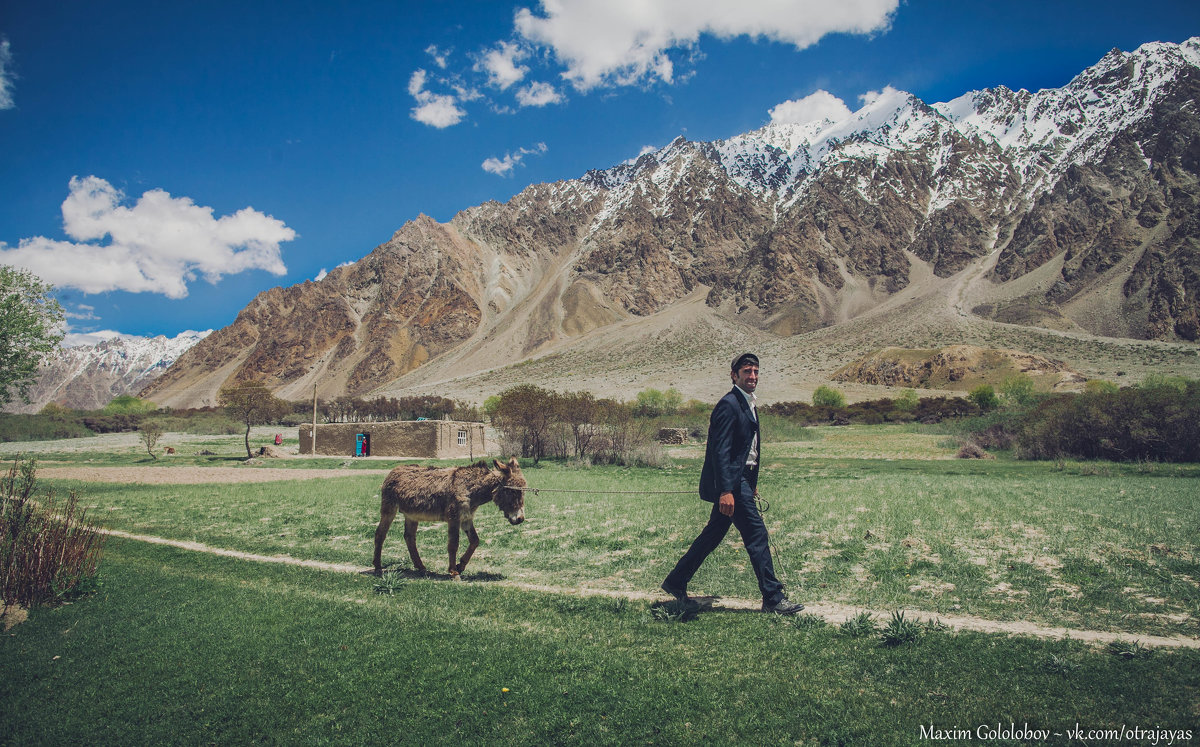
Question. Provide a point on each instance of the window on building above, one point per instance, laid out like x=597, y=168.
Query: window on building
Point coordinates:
x=462, y=436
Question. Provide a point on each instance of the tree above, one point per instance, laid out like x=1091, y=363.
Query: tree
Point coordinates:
x=907, y=401
x=150, y=431
x=525, y=414
x=253, y=404
x=127, y=404
x=826, y=396
x=984, y=397
x=1017, y=390
x=651, y=403
x=579, y=411
x=1100, y=386
x=30, y=327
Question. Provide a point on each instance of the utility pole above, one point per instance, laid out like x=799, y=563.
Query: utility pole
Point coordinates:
x=314, y=432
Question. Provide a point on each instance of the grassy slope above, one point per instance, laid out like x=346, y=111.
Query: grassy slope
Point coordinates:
x=182, y=648
x=179, y=647
x=1104, y=546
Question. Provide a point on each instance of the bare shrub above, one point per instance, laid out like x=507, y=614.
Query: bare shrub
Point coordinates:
x=972, y=450
x=47, y=546
x=150, y=431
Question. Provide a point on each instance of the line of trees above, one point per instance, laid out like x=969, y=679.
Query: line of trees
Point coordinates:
x=1156, y=420
x=536, y=423
x=359, y=410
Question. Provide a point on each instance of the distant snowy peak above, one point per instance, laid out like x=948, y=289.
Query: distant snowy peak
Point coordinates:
x=131, y=352
x=1043, y=132
x=1103, y=100
x=88, y=376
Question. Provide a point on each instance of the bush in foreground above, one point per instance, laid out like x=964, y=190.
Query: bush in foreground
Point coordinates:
x=47, y=546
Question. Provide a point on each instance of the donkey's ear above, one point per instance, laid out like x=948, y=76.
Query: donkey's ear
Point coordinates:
x=513, y=463
x=501, y=465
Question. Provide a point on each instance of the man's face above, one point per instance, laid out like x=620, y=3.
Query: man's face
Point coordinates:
x=746, y=377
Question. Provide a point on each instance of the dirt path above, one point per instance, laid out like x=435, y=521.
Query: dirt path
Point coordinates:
x=196, y=475
x=831, y=612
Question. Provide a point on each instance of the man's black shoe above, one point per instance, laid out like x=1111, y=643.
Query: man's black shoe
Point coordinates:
x=782, y=607
x=675, y=591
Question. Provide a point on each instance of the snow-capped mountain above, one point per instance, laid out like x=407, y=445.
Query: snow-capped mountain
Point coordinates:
x=89, y=376
x=1074, y=208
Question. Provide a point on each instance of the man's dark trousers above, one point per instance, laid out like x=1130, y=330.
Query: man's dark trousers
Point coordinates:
x=749, y=522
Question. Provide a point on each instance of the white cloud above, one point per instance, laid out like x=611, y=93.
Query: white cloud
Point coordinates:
x=624, y=42
x=82, y=312
x=325, y=273
x=440, y=57
x=416, y=82
x=156, y=246
x=434, y=109
x=501, y=66
x=538, y=94
x=645, y=149
x=498, y=166
x=504, y=166
x=6, y=76
x=870, y=97
x=76, y=339
x=814, y=107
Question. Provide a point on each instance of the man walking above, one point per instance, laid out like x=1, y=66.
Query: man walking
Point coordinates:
x=729, y=481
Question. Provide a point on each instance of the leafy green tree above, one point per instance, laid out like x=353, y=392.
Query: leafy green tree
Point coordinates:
x=907, y=401
x=1017, y=390
x=651, y=403
x=1100, y=386
x=30, y=327
x=127, y=404
x=253, y=404
x=984, y=397
x=491, y=405
x=1163, y=381
x=827, y=396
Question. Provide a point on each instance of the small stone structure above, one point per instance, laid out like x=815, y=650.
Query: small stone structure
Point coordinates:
x=422, y=439
x=673, y=435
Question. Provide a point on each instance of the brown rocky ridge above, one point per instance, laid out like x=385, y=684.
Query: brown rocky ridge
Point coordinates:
x=956, y=368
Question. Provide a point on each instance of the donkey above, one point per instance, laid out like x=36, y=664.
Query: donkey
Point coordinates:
x=451, y=495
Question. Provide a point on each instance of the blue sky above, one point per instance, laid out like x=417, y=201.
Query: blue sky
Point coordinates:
x=162, y=163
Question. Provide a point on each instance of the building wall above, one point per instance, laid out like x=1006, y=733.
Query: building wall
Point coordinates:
x=422, y=439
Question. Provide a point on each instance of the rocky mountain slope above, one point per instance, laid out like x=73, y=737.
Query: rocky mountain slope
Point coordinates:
x=1066, y=218
x=87, y=377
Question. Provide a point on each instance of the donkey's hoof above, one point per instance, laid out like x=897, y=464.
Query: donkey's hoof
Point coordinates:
x=455, y=575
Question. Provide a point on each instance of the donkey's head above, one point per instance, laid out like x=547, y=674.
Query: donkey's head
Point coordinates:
x=509, y=495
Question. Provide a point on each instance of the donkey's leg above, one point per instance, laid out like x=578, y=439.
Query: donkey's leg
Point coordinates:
x=452, y=542
x=410, y=539
x=387, y=513
x=472, y=543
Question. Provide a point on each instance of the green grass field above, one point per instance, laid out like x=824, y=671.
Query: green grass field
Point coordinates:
x=181, y=647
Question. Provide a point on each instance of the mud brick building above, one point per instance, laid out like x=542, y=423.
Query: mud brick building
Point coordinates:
x=423, y=439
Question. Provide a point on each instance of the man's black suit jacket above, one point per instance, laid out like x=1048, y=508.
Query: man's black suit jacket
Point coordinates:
x=731, y=430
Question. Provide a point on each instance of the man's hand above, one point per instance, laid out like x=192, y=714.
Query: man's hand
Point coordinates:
x=725, y=504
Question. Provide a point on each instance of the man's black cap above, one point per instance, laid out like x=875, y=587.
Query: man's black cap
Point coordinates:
x=745, y=359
